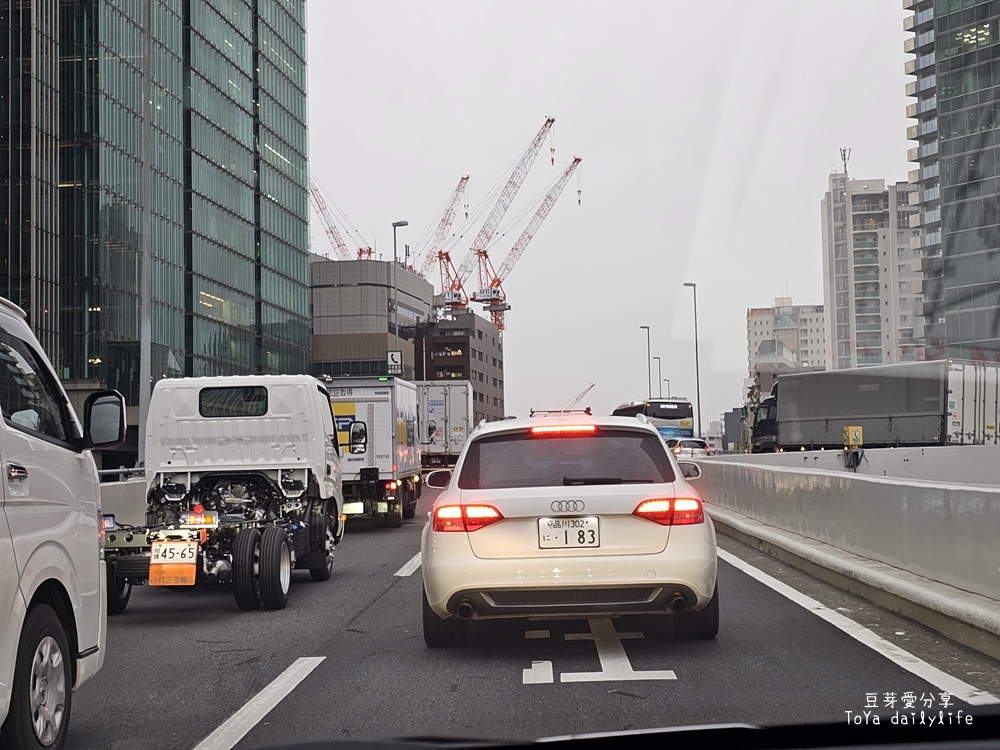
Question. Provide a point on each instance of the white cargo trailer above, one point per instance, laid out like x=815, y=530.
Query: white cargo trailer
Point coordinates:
x=445, y=414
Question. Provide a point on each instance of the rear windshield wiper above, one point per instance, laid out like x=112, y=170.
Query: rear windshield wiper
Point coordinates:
x=577, y=481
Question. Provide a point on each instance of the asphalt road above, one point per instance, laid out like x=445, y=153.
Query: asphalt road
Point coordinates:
x=180, y=665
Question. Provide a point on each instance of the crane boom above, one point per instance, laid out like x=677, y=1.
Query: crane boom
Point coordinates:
x=492, y=293
x=434, y=251
x=520, y=171
x=327, y=220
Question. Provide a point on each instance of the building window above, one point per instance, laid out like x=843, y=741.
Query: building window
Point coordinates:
x=479, y=335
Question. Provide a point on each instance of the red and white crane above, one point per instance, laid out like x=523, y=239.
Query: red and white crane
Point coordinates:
x=455, y=294
x=435, y=253
x=330, y=226
x=492, y=294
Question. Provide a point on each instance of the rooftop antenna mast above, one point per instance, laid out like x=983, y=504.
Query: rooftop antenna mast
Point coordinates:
x=845, y=156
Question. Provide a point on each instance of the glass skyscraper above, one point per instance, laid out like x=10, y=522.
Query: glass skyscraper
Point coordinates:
x=226, y=173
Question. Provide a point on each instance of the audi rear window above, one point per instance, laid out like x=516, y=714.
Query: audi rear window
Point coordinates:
x=605, y=457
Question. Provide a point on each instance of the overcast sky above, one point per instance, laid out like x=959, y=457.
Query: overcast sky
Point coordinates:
x=707, y=132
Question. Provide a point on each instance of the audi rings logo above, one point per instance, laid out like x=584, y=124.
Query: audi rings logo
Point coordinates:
x=567, y=506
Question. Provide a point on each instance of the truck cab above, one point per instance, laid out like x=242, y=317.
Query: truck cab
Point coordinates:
x=764, y=437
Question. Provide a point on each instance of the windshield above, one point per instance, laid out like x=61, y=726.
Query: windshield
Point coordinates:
x=454, y=213
x=522, y=460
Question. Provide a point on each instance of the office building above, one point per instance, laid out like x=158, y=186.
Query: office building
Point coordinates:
x=784, y=339
x=872, y=279
x=353, y=320
x=956, y=49
x=465, y=346
x=178, y=133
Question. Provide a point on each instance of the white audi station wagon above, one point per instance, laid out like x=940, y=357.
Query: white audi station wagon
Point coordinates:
x=567, y=516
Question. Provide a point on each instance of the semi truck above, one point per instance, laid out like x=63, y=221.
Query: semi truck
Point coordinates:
x=445, y=414
x=376, y=420
x=941, y=402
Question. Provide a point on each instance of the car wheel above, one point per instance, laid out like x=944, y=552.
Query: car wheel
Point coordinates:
x=41, y=693
x=119, y=591
x=440, y=632
x=699, y=626
x=275, y=567
x=327, y=527
x=246, y=569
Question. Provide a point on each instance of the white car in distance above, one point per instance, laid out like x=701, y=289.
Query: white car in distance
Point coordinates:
x=566, y=517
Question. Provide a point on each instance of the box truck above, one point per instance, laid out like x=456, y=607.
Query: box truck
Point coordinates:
x=376, y=419
x=445, y=414
x=942, y=402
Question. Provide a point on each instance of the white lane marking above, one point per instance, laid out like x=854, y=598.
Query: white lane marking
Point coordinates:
x=536, y=634
x=946, y=682
x=410, y=567
x=236, y=727
x=614, y=661
x=539, y=674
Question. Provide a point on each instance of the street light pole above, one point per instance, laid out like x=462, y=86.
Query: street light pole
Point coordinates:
x=395, y=288
x=667, y=381
x=697, y=370
x=659, y=374
x=649, y=362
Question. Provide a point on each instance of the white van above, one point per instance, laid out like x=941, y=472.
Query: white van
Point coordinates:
x=53, y=587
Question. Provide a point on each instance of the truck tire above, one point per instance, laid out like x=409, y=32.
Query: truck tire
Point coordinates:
x=440, y=632
x=246, y=569
x=410, y=501
x=42, y=654
x=275, y=567
x=394, y=518
x=325, y=527
x=119, y=591
x=699, y=626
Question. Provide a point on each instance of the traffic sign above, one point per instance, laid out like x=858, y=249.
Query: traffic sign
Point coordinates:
x=394, y=363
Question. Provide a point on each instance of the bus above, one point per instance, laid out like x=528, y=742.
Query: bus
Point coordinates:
x=673, y=417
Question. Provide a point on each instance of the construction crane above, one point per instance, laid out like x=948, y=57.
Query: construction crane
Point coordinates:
x=492, y=294
x=434, y=251
x=326, y=218
x=477, y=252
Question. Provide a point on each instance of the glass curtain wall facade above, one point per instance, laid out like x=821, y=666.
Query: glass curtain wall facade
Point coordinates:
x=967, y=49
x=29, y=270
x=227, y=168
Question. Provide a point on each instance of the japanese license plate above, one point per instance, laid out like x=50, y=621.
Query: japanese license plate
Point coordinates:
x=554, y=533
x=173, y=564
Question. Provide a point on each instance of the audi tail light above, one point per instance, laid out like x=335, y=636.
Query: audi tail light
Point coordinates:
x=677, y=511
x=464, y=517
x=556, y=430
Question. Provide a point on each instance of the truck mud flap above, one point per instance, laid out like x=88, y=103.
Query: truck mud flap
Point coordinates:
x=132, y=567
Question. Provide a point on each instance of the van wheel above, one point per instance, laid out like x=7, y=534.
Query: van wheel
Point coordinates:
x=119, y=591
x=275, y=567
x=41, y=693
x=246, y=569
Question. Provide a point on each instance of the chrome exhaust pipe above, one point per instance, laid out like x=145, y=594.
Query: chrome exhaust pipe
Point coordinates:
x=465, y=610
x=677, y=603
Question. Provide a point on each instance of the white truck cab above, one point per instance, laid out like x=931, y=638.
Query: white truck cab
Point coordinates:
x=53, y=584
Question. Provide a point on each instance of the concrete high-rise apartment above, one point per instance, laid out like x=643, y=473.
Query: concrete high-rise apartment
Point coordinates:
x=872, y=282
x=956, y=48
x=784, y=339
x=215, y=95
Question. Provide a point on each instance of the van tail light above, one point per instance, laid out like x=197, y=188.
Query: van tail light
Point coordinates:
x=678, y=511
x=464, y=517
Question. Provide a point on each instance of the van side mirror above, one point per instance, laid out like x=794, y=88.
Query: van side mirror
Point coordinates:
x=103, y=420
x=358, y=442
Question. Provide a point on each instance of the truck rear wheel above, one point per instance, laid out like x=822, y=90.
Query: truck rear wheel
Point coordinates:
x=394, y=517
x=275, y=567
x=410, y=500
x=246, y=569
